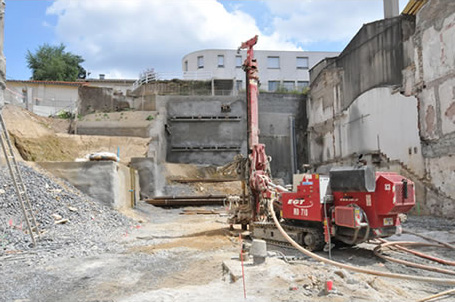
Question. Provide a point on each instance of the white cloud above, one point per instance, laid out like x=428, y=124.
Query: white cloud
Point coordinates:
x=123, y=37
x=313, y=21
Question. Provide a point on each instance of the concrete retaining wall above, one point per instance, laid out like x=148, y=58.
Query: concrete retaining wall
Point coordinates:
x=114, y=128
x=146, y=168
x=106, y=181
x=200, y=131
x=286, y=146
x=197, y=124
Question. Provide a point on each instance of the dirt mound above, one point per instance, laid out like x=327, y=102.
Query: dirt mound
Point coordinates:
x=65, y=147
x=38, y=139
x=23, y=123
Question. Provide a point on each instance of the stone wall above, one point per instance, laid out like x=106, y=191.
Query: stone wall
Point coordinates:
x=100, y=99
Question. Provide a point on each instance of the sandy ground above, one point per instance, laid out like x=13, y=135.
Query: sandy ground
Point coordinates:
x=173, y=257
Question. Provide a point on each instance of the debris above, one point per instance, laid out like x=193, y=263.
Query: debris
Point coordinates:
x=56, y=217
x=61, y=221
x=72, y=209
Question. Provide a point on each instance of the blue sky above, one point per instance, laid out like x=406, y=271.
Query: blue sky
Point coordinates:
x=121, y=38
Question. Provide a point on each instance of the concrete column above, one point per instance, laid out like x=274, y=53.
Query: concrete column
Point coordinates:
x=391, y=8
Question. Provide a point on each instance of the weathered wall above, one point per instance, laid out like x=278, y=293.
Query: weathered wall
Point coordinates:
x=376, y=121
x=106, y=181
x=93, y=99
x=432, y=78
x=353, y=105
x=374, y=57
x=350, y=113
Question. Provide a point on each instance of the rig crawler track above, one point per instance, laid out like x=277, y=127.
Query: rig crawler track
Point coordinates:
x=310, y=238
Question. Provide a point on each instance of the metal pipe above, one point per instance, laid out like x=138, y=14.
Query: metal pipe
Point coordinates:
x=377, y=251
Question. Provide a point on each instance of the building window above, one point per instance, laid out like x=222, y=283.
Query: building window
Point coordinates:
x=238, y=62
x=200, y=62
x=239, y=85
x=289, y=85
x=273, y=85
x=273, y=62
x=185, y=66
x=302, y=63
x=220, y=61
x=302, y=85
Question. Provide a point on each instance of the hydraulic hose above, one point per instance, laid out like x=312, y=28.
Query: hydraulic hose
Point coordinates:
x=378, y=252
x=351, y=267
x=430, y=239
x=399, y=245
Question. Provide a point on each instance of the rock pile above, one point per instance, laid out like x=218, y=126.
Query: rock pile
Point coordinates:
x=67, y=218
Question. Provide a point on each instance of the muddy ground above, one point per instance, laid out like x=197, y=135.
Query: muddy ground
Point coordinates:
x=166, y=256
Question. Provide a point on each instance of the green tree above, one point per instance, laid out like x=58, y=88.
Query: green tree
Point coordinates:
x=53, y=63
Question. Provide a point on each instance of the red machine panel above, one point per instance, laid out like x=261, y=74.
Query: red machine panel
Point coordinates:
x=397, y=189
x=305, y=204
x=383, y=205
x=345, y=216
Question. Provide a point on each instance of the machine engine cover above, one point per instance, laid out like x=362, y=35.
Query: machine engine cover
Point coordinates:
x=352, y=179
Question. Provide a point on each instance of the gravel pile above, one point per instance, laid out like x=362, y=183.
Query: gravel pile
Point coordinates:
x=90, y=226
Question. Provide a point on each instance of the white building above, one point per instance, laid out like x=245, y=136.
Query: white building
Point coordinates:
x=278, y=70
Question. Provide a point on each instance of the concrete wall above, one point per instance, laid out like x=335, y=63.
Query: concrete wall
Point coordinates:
x=355, y=105
x=287, y=146
x=199, y=135
x=93, y=99
x=350, y=113
x=431, y=77
x=114, y=128
x=378, y=120
x=198, y=131
x=48, y=97
x=147, y=171
x=106, y=181
x=375, y=57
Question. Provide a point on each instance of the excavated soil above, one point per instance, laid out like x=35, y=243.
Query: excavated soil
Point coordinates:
x=40, y=139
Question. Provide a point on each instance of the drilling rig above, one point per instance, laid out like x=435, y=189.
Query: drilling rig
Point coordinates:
x=350, y=205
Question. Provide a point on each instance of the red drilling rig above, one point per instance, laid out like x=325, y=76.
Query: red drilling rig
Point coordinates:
x=350, y=205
